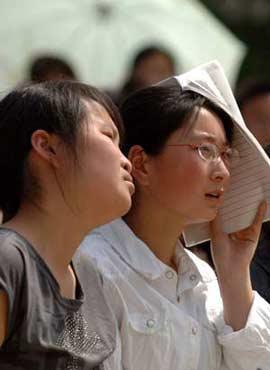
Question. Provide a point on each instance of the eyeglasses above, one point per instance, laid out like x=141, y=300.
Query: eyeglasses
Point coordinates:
x=211, y=152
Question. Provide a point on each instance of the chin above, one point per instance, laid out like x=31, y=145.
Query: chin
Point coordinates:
x=205, y=217
x=125, y=209
x=109, y=210
x=120, y=207
x=211, y=216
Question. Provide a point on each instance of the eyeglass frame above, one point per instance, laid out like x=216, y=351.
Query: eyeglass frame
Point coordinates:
x=218, y=152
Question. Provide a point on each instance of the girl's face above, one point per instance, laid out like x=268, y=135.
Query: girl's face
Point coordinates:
x=180, y=181
x=99, y=187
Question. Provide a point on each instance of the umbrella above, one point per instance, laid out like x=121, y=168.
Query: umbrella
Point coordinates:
x=100, y=37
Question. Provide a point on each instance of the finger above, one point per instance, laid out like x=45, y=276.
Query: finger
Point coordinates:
x=251, y=233
x=259, y=217
x=245, y=235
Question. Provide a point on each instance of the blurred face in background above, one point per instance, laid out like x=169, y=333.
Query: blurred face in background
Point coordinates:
x=256, y=113
x=152, y=69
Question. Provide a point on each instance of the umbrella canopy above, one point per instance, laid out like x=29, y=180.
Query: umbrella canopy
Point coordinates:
x=100, y=37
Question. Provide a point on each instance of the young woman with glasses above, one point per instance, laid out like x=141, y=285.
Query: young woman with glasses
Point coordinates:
x=174, y=313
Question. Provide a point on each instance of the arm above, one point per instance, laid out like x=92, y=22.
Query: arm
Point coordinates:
x=232, y=256
x=3, y=315
x=244, y=332
x=248, y=348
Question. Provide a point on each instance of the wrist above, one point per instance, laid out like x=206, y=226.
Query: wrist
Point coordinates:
x=236, y=285
x=232, y=276
x=237, y=296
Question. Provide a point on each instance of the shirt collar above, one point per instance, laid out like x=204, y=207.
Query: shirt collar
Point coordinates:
x=140, y=257
x=131, y=249
x=189, y=263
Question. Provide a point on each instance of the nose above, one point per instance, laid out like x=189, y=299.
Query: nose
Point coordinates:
x=125, y=163
x=220, y=172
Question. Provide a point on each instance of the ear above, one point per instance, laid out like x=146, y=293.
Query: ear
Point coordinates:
x=140, y=161
x=45, y=145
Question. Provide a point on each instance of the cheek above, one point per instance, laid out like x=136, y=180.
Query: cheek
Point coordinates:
x=195, y=173
x=101, y=161
x=187, y=170
x=177, y=180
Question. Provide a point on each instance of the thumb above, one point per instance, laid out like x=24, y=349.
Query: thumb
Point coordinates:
x=260, y=214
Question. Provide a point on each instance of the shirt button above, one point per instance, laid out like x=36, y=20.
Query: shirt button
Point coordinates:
x=193, y=277
x=150, y=323
x=178, y=298
x=194, y=330
x=169, y=274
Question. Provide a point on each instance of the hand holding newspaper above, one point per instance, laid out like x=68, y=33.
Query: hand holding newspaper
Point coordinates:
x=250, y=179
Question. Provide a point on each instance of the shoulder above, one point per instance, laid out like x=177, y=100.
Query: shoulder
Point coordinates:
x=12, y=266
x=86, y=270
x=97, y=250
x=12, y=250
x=95, y=244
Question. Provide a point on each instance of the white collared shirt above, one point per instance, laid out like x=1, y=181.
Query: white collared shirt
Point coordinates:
x=171, y=321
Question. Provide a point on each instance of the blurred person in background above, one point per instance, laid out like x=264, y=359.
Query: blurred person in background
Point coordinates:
x=254, y=102
x=50, y=67
x=150, y=65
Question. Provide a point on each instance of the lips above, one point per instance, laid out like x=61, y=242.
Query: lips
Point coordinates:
x=129, y=180
x=217, y=194
x=212, y=195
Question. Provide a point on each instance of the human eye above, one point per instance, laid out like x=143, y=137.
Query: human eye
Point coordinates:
x=113, y=136
x=207, y=150
x=231, y=156
x=109, y=134
x=227, y=154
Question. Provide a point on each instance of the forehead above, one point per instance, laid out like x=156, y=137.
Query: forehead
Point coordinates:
x=206, y=124
x=97, y=114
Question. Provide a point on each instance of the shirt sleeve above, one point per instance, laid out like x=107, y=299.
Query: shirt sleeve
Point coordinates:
x=248, y=348
x=11, y=276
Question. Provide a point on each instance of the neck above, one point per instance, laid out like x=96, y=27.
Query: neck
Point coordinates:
x=54, y=235
x=159, y=229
